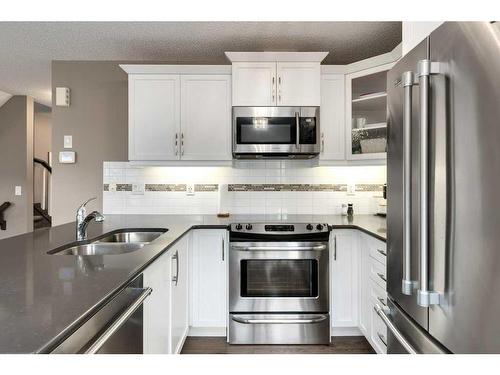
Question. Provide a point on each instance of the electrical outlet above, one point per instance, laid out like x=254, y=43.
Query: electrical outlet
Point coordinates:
x=138, y=189
x=112, y=187
x=18, y=190
x=351, y=189
x=190, y=189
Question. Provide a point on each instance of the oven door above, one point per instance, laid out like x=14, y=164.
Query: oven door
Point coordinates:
x=278, y=277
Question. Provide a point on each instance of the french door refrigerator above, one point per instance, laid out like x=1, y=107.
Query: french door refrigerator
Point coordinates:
x=443, y=194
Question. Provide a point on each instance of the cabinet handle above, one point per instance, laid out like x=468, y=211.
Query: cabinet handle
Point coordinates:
x=223, y=249
x=182, y=144
x=382, y=276
x=273, y=89
x=382, y=338
x=279, y=80
x=334, y=247
x=381, y=300
x=176, y=144
x=175, y=278
x=322, y=142
x=382, y=252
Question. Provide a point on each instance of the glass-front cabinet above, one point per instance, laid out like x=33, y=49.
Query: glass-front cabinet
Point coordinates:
x=366, y=102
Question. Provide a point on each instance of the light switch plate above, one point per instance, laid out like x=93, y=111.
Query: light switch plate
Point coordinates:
x=138, y=189
x=62, y=97
x=68, y=141
x=190, y=189
x=67, y=157
x=18, y=190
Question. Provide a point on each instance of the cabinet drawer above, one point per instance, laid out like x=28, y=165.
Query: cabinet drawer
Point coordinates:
x=378, y=273
x=377, y=294
x=378, y=250
x=378, y=335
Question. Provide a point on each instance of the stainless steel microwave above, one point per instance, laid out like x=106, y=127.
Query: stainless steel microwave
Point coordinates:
x=276, y=132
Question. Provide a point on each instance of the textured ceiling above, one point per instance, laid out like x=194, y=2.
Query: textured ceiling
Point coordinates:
x=28, y=47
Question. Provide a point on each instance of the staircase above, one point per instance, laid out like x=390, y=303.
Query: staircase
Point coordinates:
x=41, y=217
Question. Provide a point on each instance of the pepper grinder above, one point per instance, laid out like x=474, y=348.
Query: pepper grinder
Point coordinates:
x=350, y=210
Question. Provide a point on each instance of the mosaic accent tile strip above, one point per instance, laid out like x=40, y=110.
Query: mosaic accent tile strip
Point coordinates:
x=369, y=187
x=123, y=187
x=250, y=187
x=206, y=187
x=301, y=187
x=165, y=187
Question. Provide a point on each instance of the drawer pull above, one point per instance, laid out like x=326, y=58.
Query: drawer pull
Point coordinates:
x=381, y=300
x=382, y=338
x=382, y=276
x=382, y=252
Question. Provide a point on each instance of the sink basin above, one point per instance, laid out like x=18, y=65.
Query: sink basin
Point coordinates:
x=130, y=237
x=101, y=249
x=120, y=241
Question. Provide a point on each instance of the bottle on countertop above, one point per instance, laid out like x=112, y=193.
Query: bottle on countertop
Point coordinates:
x=350, y=209
x=344, y=209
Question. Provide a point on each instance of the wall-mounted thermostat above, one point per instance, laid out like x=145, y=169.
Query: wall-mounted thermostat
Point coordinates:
x=67, y=157
x=62, y=96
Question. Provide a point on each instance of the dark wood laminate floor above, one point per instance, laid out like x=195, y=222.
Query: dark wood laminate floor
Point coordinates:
x=218, y=345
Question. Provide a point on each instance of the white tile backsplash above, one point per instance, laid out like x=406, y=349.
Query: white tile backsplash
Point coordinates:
x=241, y=202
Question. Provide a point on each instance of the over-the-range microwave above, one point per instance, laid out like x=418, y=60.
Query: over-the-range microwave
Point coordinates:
x=276, y=132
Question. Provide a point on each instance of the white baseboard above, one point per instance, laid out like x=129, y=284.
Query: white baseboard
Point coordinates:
x=207, y=331
x=345, y=331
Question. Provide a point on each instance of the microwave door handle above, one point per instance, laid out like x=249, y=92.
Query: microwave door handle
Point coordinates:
x=297, y=126
x=408, y=81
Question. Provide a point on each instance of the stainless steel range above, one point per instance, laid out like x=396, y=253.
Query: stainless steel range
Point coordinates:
x=278, y=284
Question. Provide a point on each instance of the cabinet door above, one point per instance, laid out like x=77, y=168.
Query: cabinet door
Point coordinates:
x=332, y=123
x=298, y=84
x=179, y=295
x=366, y=113
x=208, y=293
x=344, y=278
x=156, y=339
x=364, y=290
x=254, y=83
x=154, y=116
x=206, y=117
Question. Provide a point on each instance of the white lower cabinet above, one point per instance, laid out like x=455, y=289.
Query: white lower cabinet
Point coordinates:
x=344, y=261
x=179, y=292
x=208, y=282
x=156, y=313
x=166, y=309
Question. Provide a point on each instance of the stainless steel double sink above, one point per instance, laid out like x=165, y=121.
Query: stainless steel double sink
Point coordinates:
x=120, y=241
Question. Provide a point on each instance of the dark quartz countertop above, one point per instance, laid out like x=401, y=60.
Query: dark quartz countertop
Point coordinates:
x=44, y=297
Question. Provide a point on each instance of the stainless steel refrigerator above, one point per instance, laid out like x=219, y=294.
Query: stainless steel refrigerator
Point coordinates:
x=443, y=193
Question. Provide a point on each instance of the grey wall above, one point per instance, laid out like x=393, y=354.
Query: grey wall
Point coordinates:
x=42, y=136
x=98, y=121
x=16, y=163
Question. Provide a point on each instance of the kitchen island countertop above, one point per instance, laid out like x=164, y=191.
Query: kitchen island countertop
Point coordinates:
x=44, y=297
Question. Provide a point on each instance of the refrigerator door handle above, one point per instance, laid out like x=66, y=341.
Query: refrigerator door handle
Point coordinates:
x=383, y=313
x=408, y=81
x=425, y=297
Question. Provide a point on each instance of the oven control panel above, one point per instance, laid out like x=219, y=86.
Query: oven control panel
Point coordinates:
x=279, y=228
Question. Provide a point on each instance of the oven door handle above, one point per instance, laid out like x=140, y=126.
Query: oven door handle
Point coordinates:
x=280, y=321
x=280, y=248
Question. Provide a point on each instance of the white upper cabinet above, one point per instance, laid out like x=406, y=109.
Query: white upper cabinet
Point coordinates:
x=206, y=115
x=175, y=109
x=332, y=113
x=298, y=84
x=276, y=78
x=154, y=116
x=254, y=84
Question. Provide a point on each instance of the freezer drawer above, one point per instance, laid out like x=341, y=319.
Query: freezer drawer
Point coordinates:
x=279, y=329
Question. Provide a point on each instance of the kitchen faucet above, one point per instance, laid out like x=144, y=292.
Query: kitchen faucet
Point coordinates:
x=83, y=220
